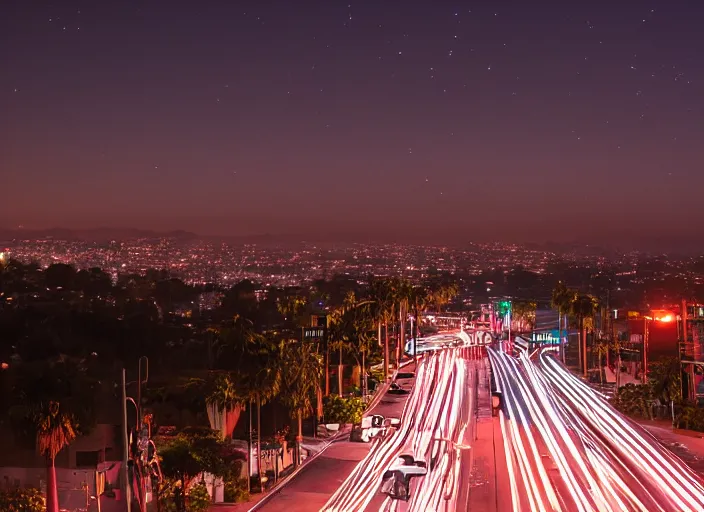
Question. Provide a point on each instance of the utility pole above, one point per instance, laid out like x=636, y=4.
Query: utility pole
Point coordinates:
x=645, y=350
x=142, y=378
x=125, y=444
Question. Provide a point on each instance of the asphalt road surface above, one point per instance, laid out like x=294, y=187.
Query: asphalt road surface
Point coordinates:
x=436, y=428
x=569, y=450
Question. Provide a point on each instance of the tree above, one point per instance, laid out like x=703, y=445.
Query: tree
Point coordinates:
x=383, y=294
x=524, y=312
x=193, y=451
x=60, y=275
x=260, y=367
x=302, y=373
x=349, y=327
x=224, y=401
x=404, y=296
x=293, y=307
x=441, y=293
x=562, y=299
x=55, y=431
x=665, y=378
x=240, y=300
x=419, y=302
x=583, y=308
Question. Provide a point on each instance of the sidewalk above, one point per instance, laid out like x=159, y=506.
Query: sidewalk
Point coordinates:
x=686, y=444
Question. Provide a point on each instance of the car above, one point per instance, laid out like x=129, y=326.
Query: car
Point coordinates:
x=395, y=389
x=376, y=426
x=396, y=481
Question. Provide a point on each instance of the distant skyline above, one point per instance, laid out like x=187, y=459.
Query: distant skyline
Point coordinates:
x=418, y=121
x=673, y=244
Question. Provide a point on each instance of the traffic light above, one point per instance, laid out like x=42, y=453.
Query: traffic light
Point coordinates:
x=504, y=308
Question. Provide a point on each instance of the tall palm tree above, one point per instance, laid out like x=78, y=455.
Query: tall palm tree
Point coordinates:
x=562, y=299
x=583, y=308
x=348, y=326
x=256, y=359
x=381, y=293
x=404, y=296
x=302, y=372
x=441, y=295
x=420, y=298
x=55, y=431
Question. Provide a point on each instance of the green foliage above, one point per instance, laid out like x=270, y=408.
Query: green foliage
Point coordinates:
x=193, y=451
x=634, y=400
x=377, y=374
x=343, y=410
x=665, y=378
x=690, y=417
x=236, y=491
x=524, y=310
x=302, y=371
x=197, y=498
x=22, y=500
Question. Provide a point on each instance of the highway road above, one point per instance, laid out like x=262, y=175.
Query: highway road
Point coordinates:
x=436, y=428
x=569, y=450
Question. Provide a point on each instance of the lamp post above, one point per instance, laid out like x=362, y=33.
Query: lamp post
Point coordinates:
x=142, y=378
x=645, y=348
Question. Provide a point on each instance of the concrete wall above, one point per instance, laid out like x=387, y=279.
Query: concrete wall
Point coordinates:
x=69, y=481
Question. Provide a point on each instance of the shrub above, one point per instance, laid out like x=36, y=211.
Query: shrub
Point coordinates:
x=236, y=491
x=22, y=500
x=343, y=410
x=377, y=374
x=198, y=499
x=690, y=417
x=634, y=400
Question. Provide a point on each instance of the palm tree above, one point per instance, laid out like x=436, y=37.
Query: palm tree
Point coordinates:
x=224, y=401
x=348, y=328
x=302, y=373
x=404, y=296
x=381, y=293
x=419, y=302
x=562, y=298
x=583, y=308
x=524, y=313
x=55, y=431
x=336, y=342
x=265, y=375
x=256, y=359
x=441, y=295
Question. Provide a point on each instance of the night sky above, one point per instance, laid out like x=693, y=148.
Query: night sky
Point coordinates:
x=421, y=120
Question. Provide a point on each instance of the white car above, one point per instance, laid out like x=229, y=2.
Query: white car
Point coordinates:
x=396, y=480
x=377, y=425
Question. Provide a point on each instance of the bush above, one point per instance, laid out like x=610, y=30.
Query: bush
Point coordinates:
x=690, y=417
x=236, y=491
x=22, y=500
x=634, y=400
x=198, y=499
x=343, y=410
x=377, y=375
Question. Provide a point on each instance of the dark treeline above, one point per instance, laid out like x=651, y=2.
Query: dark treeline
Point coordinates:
x=60, y=324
